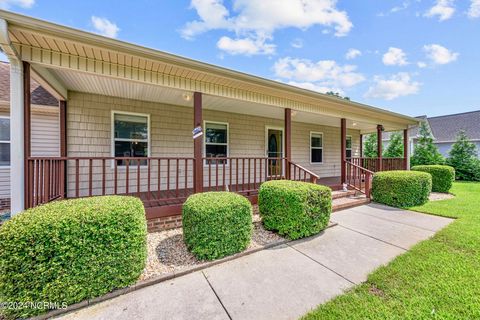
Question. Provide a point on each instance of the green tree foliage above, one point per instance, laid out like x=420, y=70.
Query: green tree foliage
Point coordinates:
x=425, y=152
x=464, y=158
x=395, y=146
x=370, y=146
x=337, y=95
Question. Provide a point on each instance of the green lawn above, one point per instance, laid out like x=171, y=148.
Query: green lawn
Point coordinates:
x=437, y=279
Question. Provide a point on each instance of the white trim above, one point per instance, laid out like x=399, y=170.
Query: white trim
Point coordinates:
x=7, y=141
x=204, y=151
x=310, y=147
x=112, y=134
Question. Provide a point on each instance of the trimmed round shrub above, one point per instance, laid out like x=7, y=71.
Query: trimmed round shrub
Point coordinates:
x=216, y=224
x=294, y=209
x=442, y=176
x=401, y=188
x=71, y=250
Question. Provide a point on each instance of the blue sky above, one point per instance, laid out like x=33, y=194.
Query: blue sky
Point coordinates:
x=411, y=56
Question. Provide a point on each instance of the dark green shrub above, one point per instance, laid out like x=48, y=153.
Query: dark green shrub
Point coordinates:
x=442, y=176
x=71, y=250
x=401, y=188
x=216, y=224
x=294, y=209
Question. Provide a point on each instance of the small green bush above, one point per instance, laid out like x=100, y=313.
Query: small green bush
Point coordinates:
x=401, y=188
x=293, y=208
x=68, y=251
x=216, y=224
x=442, y=176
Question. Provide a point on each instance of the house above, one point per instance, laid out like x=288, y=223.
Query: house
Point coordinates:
x=138, y=121
x=445, y=129
x=45, y=140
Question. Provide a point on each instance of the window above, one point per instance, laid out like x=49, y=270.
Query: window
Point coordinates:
x=131, y=135
x=4, y=141
x=349, y=147
x=216, y=141
x=316, y=147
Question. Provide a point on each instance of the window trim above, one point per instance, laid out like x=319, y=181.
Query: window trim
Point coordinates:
x=7, y=141
x=205, y=164
x=310, y=146
x=351, y=146
x=112, y=138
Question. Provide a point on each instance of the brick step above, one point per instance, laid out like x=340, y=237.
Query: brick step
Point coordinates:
x=342, y=194
x=348, y=202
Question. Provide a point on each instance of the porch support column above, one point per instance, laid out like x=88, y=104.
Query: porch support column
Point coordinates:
x=17, y=135
x=379, y=147
x=288, y=141
x=405, y=150
x=26, y=129
x=343, y=148
x=62, y=104
x=361, y=145
x=197, y=143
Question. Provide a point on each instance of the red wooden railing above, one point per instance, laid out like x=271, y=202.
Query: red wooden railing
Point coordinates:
x=372, y=164
x=358, y=178
x=156, y=180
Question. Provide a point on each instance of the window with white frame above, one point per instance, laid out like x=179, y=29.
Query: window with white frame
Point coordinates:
x=4, y=141
x=130, y=136
x=316, y=147
x=348, y=147
x=216, y=141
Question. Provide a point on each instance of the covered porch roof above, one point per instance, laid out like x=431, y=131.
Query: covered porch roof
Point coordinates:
x=64, y=59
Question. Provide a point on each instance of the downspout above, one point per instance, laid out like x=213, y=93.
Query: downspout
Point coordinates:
x=17, y=150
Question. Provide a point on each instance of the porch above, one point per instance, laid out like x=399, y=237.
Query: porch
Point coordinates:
x=246, y=129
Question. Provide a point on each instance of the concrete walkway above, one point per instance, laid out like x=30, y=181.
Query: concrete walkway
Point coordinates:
x=284, y=282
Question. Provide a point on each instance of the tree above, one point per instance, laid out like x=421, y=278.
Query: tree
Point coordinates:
x=464, y=158
x=395, y=146
x=425, y=152
x=337, y=95
x=370, y=146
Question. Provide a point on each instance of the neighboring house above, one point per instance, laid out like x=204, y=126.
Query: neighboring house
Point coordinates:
x=445, y=130
x=45, y=128
x=127, y=113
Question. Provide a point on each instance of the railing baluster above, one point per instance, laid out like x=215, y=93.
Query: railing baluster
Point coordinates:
x=236, y=175
x=177, y=178
x=243, y=174
x=168, y=178
x=223, y=174
x=90, y=168
x=138, y=178
x=216, y=175
x=254, y=173
x=159, y=186
x=115, y=178
x=248, y=186
x=185, y=193
x=103, y=177
x=127, y=176
x=77, y=178
x=149, y=172
x=209, y=175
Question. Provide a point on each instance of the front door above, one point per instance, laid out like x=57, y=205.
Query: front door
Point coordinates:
x=274, y=151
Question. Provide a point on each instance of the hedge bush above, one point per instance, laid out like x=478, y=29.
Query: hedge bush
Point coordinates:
x=293, y=208
x=401, y=188
x=442, y=176
x=67, y=251
x=216, y=224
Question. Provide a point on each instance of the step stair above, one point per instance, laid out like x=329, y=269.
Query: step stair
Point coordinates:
x=347, y=199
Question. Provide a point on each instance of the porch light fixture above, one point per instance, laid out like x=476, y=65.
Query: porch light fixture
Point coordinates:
x=186, y=96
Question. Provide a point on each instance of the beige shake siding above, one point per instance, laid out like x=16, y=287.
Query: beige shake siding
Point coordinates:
x=89, y=126
x=45, y=140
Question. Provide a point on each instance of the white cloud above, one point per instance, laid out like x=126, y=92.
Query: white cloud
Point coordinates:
x=444, y=9
x=352, y=54
x=245, y=46
x=297, y=43
x=323, y=75
x=421, y=64
x=439, y=55
x=258, y=20
x=395, y=86
x=394, y=57
x=5, y=4
x=105, y=27
x=474, y=10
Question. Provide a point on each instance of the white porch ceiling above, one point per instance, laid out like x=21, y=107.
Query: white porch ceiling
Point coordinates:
x=83, y=82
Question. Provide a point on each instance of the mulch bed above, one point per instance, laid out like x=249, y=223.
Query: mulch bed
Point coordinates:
x=167, y=252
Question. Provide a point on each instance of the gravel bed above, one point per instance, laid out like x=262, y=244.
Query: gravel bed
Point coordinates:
x=167, y=252
x=435, y=196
